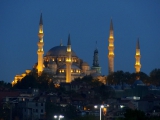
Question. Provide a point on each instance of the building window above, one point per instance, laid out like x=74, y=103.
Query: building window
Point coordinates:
x=41, y=104
x=36, y=104
x=36, y=110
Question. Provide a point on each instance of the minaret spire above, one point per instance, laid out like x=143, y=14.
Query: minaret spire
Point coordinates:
x=68, y=61
x=40, y=44
x=111, y=49
x=111, y=25
x=41, y=21
x=137, y=57
x=69, y=41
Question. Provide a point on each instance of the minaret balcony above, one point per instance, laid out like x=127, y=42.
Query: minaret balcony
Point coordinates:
x=111, y=40
x=40, y=44
x=40, y=35
x=137, y=56
x=40, y=52
x=111, y=55
x=110, y=47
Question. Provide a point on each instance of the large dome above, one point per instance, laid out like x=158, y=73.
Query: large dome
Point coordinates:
x=59, y=51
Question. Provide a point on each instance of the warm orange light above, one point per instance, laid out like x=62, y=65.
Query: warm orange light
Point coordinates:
x=68, y=49
x=110, y=36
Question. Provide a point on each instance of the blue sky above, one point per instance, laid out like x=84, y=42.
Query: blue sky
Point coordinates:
x=87, y=21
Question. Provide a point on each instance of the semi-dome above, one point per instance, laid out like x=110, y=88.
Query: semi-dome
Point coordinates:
x=59, y=51
x=72, y=67
x=85, y=64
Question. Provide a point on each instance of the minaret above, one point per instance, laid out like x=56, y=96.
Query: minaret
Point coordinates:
x=95, y=61
x=40, y=44
x=68, y=61
x=111, y=50
x=137, y=57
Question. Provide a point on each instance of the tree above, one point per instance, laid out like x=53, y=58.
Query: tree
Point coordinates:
x=155, y=77
x=118, y=77
x=134, y=115
x=141, y=75
x=5, y=84
x=26, y=82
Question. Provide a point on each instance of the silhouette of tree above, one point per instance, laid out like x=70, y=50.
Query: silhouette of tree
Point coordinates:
x=155, y=77
x=121, y=77
x=26, y=82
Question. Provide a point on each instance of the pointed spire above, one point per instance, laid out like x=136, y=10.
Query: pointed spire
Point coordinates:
x=69, y=41
x=111, y=25
x=96, y=44
x=41, y=21
x=61, y=44
x=138, y=46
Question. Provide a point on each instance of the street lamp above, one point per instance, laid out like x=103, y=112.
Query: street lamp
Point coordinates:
x=101, y=106
x=59, y=117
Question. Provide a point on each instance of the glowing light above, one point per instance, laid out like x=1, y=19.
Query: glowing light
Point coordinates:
x=110, y=36
x=68, y=49
x=102, y=106
x=95, y=106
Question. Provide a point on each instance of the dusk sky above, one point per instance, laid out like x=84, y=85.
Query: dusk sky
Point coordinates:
x=87, y=21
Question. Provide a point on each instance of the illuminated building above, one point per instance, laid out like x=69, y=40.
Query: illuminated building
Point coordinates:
x=40, y=44
x=111, y=50
x=137, y=57
x=68, y=61
x=61, y=61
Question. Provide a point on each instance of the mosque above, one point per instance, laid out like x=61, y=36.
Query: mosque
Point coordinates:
x=61, y=61
x=65, y=65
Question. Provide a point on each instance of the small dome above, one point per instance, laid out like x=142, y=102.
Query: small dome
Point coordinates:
x=72, y=67
x=59, y=51
x=85, y=64
x=51, y=62
x=138, y=82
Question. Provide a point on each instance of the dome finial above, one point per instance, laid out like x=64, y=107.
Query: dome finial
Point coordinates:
x=61, y=44
x=96, y=44
x=138, y=45
x=41, y=21
x=111, y=25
